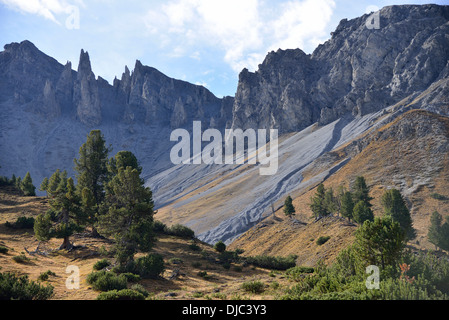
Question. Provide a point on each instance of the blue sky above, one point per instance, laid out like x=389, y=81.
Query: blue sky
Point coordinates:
x=206, y=42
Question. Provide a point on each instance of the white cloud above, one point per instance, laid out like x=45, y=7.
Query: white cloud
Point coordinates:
x=45, y=8
x=244, y=30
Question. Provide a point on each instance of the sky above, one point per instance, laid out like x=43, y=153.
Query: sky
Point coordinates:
x=205, y=42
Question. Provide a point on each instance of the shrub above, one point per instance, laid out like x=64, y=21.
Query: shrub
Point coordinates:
x=159, y=227
x=45, y=275
x=253, y=286
x=181, y=231
x=438, y=196
x=101, y=264
x=149, y=266
x=322, y=240
x=139, y=288
x=124, y=294
x=21, y=259
x=106, y=281
x=220, y=246
x=131, y=277
x=271, y=262
x=194, y=247
x=21, y=223
x=21, y=288
x=3, y=250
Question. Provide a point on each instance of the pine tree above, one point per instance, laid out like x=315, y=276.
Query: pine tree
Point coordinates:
x=289, y=209
x=44, y=185
x=27, y=186
x=329, y=201
x=347, y=205
x=395, y=207
x=362, y=212
x=92, y=169
x=318, y=204
x=361, y=192
x=380, y=242
x=53, y=183
x=123, y=159
x=434, y=232
x=129, y=218
x=68, y=220
x=444, y=235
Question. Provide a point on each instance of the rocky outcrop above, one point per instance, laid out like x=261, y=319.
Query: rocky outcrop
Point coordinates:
x=359, y=71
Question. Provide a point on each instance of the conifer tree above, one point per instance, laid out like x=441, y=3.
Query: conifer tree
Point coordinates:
x=395, y=207
x=53, y=183
x=27, y=186
x=318, y=204
x=361, y=192
x=380, y=242
x=44, y=185
x=347, y=205
x=434, y=233
x=329, y=201
x=92, y=170
x=289, y=209
x=129, y=218
x=362, y=212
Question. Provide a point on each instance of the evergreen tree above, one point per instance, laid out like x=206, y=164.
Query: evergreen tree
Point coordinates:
x=123, y=159
x=444, y=236
x=395, y=207
x=129, y=218
x=380, y=242
x=329, y=201
x=318, y=204
x=92, y=169
x=27, y=186
x=53, y=183
x=347, y=205
x=362, y=212
x=289, y=209
x=361, y=192
x=434, y=232
x=69, y=216
x=44, y=185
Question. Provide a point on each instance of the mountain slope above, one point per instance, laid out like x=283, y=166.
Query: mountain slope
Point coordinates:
x=411, y=154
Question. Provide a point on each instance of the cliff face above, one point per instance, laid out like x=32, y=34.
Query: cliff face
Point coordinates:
x=358, y=71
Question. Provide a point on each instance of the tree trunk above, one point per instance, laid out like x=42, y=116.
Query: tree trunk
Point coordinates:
x=66, y=244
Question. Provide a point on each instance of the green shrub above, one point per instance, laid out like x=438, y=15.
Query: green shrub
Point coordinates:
x=101, y=264
x=253, y=287
x=131, y=277
x=13, y=287
x=106, y=281
x=149, y=266
x=3, y=250
x=438, y=196
x=123, y=294
x=322, y=240
x=181, y=231
x=175, y=261
x=220, y=246
x=45, y=275
x=272, y=262
x=21, y=223
x=194, y=247
x=159, y=227
x=21, y=259
x=299, y=270
x=139, y=288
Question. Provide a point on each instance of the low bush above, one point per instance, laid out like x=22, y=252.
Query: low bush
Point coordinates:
x=14, y=287
x=181, y=231
x=3, y=250
x=149, y=266
x=21, y=223
x=21, y=259
x=272, y=262
x=45, y=275
x=107, y=280
x=322, y=240
x=256, y=287
x=124, y=294
x=101, y=264
x=220, y=246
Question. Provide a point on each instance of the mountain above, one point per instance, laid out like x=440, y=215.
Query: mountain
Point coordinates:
x=349, y=101
x=356, y=82
x=357, y=71
x=47, y=109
